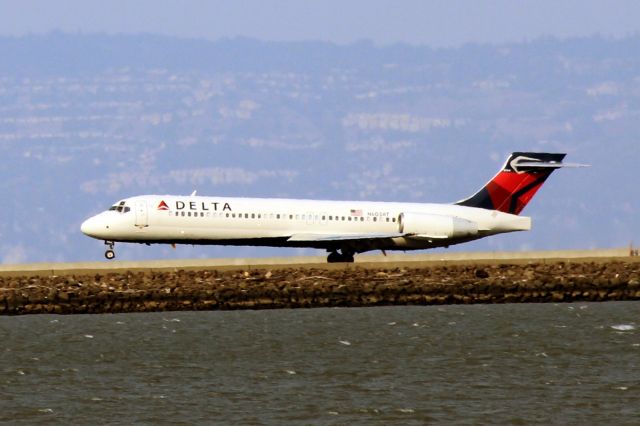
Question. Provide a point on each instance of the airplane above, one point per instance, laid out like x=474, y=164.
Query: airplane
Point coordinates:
x=342, y=228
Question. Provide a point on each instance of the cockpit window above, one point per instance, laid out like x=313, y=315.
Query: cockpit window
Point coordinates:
x=120, y=207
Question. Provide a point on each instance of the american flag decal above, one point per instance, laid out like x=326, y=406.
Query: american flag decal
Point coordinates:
x=356, y=213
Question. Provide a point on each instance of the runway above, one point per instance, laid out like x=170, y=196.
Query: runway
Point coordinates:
x=373, y=261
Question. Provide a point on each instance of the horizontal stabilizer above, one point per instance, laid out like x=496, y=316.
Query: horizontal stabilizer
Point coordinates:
x=551, y=165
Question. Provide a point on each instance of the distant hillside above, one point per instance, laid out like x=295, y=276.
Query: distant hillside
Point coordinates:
x=62, y=53
x=87, y=119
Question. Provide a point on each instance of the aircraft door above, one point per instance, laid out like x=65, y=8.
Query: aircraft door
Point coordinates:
x=142, y=216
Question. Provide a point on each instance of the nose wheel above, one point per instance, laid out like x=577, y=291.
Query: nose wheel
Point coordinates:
x=110, y=254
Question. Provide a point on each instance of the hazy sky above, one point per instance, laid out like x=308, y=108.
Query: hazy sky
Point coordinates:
x=435, y=23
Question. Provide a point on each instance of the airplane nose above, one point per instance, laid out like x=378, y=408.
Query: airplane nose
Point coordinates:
x=88, y=226
x=92, y=227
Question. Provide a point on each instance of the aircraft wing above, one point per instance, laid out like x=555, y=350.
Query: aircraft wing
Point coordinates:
x=342, y=237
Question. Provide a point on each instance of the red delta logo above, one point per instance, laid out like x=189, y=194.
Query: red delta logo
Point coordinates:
x=163, y=205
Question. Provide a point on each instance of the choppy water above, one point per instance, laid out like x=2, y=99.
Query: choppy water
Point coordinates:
x=506, y=364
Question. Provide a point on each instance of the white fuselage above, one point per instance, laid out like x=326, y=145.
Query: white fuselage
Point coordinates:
x=356, y=225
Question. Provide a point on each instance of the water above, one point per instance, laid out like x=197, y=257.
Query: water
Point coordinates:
x=481, y=364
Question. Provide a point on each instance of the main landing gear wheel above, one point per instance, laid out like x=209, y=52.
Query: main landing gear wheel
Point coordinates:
x=335, y=257
x=109, y=254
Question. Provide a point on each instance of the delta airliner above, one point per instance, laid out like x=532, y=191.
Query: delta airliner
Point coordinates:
x=342, y=228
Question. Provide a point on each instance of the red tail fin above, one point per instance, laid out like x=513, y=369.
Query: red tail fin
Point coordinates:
x=515, y=185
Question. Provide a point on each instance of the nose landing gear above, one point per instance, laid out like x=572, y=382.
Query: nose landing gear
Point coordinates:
x=109, y=254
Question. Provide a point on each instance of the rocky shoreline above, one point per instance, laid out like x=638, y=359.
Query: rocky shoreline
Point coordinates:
x=310, y=287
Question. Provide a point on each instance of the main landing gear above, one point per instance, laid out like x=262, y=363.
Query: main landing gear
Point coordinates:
x=109, y=254
x=342, y=257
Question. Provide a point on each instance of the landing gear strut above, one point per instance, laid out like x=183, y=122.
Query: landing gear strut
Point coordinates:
x=110, y=254
x=342, y=257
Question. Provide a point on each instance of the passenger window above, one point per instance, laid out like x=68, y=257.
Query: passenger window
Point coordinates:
x=393, y=219
x=290, y=217
x=227, y=214
x=362, y=219
x=232, y=215
x=375, y=219
x=253, y=215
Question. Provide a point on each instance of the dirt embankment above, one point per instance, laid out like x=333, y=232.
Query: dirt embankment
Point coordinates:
x=317, y=287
